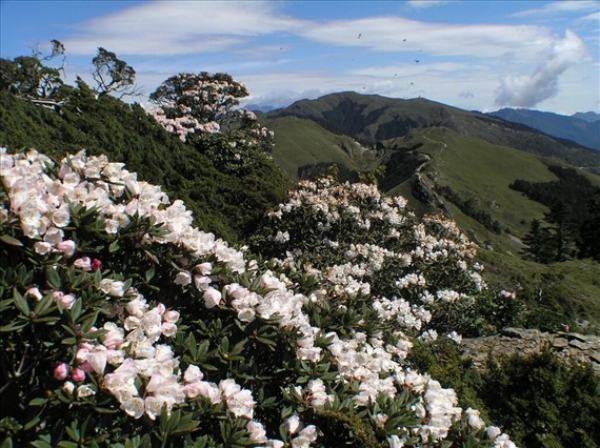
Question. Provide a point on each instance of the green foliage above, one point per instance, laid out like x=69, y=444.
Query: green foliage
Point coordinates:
x=95, y=354
x=229, y=188
x=28, y=77
x=589, y=242
x=112, y=75
x=470, y=207
x=539, y=243
x=441, y=358
x=204, y=96
x=542, y=402
x=224, y=203
x=572, y=218
x=572, y=188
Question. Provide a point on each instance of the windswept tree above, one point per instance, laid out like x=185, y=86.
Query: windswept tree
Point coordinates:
x=113, y=75
x=561, y=219
x=589, y=243
x=28, y=78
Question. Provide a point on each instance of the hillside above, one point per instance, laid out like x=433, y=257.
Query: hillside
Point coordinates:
x=586, y=133
x=460, y=163
x=373, y=119
x=277, y=324
x=226, y=204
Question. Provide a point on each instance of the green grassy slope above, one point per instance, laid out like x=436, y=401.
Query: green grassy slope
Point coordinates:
x=481, y=171
x=300, y=142
x=373, y=118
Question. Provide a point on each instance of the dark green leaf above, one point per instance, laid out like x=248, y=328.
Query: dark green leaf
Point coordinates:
x=21, y=303
x=10, y=240
x=53, y=278
x=13, y=326
x=114, y=246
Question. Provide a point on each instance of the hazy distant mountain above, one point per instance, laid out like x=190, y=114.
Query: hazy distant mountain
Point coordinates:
x=580, y=128
x=259, y=108
x=590, y=117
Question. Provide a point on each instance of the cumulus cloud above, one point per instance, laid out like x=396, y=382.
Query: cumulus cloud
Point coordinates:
x=527, y=90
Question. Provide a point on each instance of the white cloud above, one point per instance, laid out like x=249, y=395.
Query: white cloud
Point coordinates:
x=396, y=34
x=172, y=27
x=527, y=90
x=459, y=64
x=422, y=4
x=560, y=7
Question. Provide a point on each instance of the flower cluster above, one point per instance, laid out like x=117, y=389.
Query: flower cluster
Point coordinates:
x=184, y=125
x=136, y=354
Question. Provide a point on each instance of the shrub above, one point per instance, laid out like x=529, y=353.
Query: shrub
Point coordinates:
x=543, y=402
x=125, y=326
x=361, y=243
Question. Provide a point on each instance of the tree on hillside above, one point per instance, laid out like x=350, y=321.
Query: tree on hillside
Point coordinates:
x=589, y=244
x=206, y=97
x=563, y=227
x=113, y=75
x=539, y=244
x=203, y=110
x=28, y=78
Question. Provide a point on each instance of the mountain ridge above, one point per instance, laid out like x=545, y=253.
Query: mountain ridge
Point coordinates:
x=582, y=131
x=374, y=119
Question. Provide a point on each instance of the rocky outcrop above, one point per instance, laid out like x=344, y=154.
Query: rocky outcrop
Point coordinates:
x=569, y=347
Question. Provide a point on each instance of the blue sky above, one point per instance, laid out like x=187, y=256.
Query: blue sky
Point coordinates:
x=476, y=55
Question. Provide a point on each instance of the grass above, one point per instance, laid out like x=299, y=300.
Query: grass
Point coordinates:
x=570, y=289
x=300, y=142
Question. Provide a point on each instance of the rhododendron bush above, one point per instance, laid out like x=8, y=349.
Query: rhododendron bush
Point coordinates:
x=124, y=326
x=203, y=110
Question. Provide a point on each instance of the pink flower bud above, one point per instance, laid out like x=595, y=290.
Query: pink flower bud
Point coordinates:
x=68, y=300
x=96, y=264
x=61, y=371
x=66, y=247
x=171, y=316
x=83, y=263
x=78, y=375
x=211, y=297
x=87, y=367
x=42, y=248
x=183, y=278
x=204, y=268
x=57, y=295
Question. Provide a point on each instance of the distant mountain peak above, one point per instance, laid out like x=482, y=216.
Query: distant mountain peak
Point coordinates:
x=582, y=128
x=590, y=116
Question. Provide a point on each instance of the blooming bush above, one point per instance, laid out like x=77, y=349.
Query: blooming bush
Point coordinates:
x=203, y=110
x=125, y=326
x=420, y=273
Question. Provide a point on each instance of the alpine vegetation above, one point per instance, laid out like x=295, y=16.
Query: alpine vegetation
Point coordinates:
x=125, y=326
